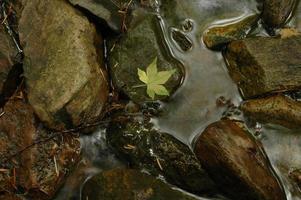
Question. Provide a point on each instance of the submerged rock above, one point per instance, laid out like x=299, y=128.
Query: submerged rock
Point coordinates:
x=159, y=153
x=218, y=36
x=276, y=13
x=32, y=171
x=263, y=65
x=137, y=49
x=277, y=109
x=129, y=184
x=63, y=58
x=237, y=163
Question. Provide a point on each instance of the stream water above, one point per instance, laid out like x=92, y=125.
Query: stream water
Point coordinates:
x=194, y=106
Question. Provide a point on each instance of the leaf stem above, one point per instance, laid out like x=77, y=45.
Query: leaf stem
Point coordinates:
x=139, y=86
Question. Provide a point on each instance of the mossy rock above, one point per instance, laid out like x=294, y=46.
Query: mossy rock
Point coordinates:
x=159, y=153
x=129, y=184
x=218, y=36
x=137, y=49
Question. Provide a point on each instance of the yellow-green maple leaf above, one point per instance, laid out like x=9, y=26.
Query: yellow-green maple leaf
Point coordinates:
x=155, y=80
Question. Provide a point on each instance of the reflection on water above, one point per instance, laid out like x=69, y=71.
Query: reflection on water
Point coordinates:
x=194, y=107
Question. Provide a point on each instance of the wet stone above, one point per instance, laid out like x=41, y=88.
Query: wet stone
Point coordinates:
x=137, y=49
x=63, y=65
x=37, y=172
x=276, y=13
x=129, y=185
x=183, y=42
x=159, y=153
x=236, y=162
x=218, y=36
x=277, y=109
x=262, y=65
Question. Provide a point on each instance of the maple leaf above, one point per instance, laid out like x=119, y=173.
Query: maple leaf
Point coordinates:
x=154, y=80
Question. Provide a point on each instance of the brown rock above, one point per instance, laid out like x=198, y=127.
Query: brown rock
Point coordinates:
x=237, y=163
x=35, y=171
x=217, y=37
x=63, y=58
x=263, y=65
x=277, y=12
x=277, y=109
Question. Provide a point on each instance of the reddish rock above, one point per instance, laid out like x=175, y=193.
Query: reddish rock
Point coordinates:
x=236, y=162
x=40, y=170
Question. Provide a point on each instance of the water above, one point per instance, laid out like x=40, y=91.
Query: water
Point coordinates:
x=96, y=157
x=283, y=147
x=194, y=105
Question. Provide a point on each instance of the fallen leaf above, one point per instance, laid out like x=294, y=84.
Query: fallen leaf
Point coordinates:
x=155, y=80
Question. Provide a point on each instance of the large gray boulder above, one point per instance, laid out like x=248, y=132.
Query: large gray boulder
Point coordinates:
x=65, y=80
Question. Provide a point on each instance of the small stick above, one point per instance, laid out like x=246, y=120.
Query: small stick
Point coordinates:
x=14, y=177
x=4, y=170
x=2, y=113
x=129, y=147
x=56, y=168
x=159, y=164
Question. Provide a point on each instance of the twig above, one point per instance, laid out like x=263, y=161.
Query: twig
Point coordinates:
x=14, y=178
x=159, y=164
x=9, y=30
x=59, y=133
x=3, y=170
x=129, y=147
x=139, y=86
x=56, y=167
x=124, y=13
x=55, y=134
x=2, y=113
